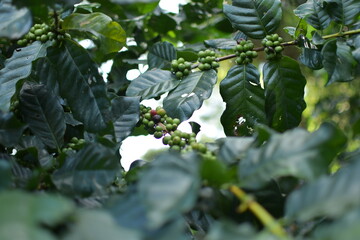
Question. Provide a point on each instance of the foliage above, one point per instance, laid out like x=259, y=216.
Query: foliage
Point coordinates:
x=288, y=167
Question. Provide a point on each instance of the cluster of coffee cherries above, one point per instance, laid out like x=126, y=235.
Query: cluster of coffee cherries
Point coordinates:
x=273, y=47
x=42, y=32
x=74, y=144
x=207, y=60
x=244, y=52
x=158, y=123
x=180, y=67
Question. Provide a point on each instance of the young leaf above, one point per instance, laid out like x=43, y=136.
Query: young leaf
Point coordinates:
x=338, y=61
x=244, y=98
x=126, y=113
x=81, y=84
x=344, y=11
x=43, y=112
x=87, y=172
x=330, y=196
x=255, y=18
x=314, y=12
x=169, y=187
x=189, y=95
x=160, y=55
x=308, y=156
x=152, y=84
x=14, y=22
x=284, y=93
x=111, y=35
x=16, y=68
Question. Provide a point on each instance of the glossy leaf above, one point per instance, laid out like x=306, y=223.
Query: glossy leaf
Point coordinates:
x=11, y=129
x=189, y=95
x=314, y=12
x=87, y=172
x=254, y=18
x=169, y=187
x=330, y=196
x=244, y=98
x=16, y=68
x=110, y=34
x=345, y=228
x=152, y=84
x=126, y=114
x=43, y=112
x=338, y=61
x=14, y=23
x=161, y=54
x=311, y=58
x=344, y=11
x=308, y=156
x=284, y=93
x=81, y=85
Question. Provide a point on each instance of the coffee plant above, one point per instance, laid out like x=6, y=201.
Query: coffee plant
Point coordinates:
x=287, y=72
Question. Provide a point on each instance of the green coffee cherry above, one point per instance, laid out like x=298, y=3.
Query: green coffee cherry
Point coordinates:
x=273, y=47
x=207, y=60
x=180, y=68
x=244, y=51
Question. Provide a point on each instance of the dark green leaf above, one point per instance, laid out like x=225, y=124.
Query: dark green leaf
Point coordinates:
x=81, y=85
x=47, y=75
x=356, y=51
x=314, y=12
x=338, y=61
x=284, y=93
x=14, y=22
x=233, y=149
x=43, y=112
x=330, y=196
x=311, y=58
x=308, y=156
x=110, y=34
x=345, y=228
x=16, y=68
x=254, y=18
x=169, y=187
x=30, y=213
x=190, y=94
x=152, y=84
x=97, y=224
x=88, y=172
x=230, y=231
x=161, y=54
x=214, y=172
x=126, y=114
x=344, y=11
x=128, y=210
x=221, y=43
x=244, y=98
x=5, y=174
x=11, y=129
x=32, y=144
